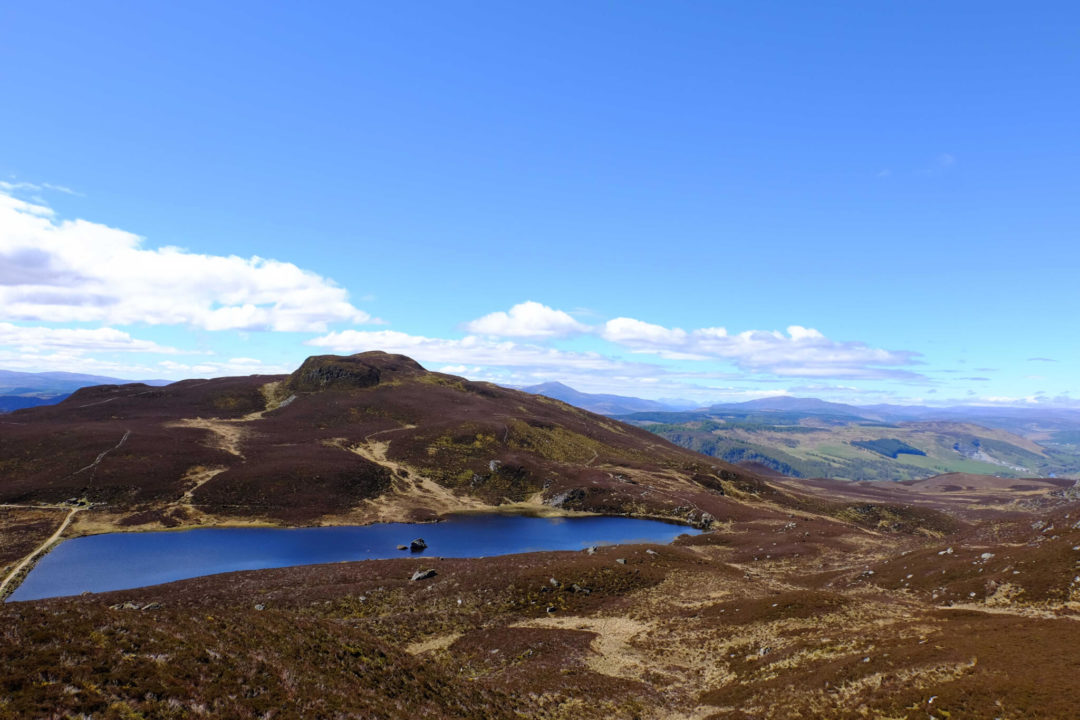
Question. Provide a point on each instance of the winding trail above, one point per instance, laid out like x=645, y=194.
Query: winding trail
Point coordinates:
x=39, y=550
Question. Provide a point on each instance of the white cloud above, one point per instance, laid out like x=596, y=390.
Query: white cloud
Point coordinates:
x=79, y=271
x=527, y=320
x=77, y=340
x=230, y=367
x=631, y=332
x=802, y=352
x=72, y=361
x=471, y=350
x=454, y=369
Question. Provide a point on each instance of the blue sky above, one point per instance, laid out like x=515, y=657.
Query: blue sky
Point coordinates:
x=875, y=202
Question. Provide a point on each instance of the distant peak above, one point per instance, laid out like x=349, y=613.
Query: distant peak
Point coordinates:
x=553, y=385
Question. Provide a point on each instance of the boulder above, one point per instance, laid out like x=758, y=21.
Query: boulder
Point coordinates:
x=423, y=575
x=417, y=545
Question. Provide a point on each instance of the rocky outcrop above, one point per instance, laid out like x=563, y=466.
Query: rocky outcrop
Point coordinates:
x=321, y=372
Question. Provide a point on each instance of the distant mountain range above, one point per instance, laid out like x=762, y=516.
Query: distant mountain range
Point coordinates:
x=1009, y=418
x=785, y=403
x=23, y=389
x=808, y=437
x=606, y=404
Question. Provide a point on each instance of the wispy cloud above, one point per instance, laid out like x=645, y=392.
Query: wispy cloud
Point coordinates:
x=802, y=352
x=232, y=366
x=80, y=340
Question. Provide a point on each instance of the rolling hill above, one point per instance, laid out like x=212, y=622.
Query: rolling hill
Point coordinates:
x=853, y=449
x=346, y=440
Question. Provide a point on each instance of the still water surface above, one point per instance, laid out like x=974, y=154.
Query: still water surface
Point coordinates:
x=119, y=561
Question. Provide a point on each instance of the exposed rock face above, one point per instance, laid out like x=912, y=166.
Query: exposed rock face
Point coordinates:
x=359, y=371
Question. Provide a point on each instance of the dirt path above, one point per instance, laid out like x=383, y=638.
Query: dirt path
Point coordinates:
x=225, y=435
x=410, y=489
x=39, y=550
x=101, y=456
x=198, y=476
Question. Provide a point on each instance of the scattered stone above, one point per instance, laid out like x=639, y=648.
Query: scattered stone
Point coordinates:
x=423, y=574
x=554, y=583
x=417, y=545
x=551, y=608
x=987, y=556
x=152, y=606
x=621, y=561
x=590, y=550
x=579, y=589
x=651, y=552
x=764, y=651
x=260, y=607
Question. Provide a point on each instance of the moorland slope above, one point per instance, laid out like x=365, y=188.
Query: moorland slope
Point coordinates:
x=353, y=439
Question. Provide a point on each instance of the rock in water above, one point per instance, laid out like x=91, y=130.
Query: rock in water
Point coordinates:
x=417, y=545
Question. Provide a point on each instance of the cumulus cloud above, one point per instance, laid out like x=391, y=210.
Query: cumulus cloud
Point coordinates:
x=802, y=352
x=62, y=271
x=527, y=320
x=38, y=339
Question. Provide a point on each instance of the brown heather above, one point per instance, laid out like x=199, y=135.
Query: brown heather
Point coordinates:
x=948, y=598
